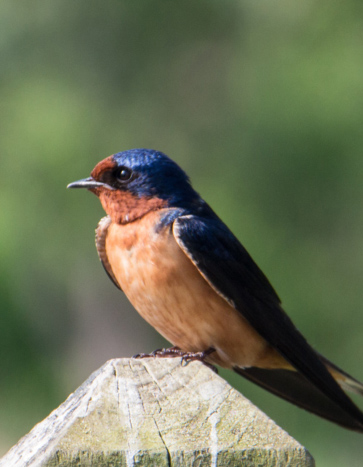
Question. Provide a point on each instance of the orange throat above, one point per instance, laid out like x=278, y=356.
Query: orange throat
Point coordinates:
x=124, y=207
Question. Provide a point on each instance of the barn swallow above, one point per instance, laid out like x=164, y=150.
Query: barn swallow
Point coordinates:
x=192, y=280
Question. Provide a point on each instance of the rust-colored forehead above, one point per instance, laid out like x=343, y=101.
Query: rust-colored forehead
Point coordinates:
x=106, y=164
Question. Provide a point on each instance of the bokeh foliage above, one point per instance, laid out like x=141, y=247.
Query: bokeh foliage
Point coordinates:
x=260, y=102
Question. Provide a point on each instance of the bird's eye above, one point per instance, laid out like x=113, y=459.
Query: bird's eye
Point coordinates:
x=124, y=174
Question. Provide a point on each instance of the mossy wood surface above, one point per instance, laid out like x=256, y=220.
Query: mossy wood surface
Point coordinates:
x=156, y=412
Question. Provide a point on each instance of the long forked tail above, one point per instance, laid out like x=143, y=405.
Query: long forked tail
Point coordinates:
x=295, y=388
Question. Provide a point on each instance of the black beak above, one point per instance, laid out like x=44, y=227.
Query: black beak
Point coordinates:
x=88, y=183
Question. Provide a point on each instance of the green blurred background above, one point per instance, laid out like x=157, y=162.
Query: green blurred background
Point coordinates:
x=261, y=102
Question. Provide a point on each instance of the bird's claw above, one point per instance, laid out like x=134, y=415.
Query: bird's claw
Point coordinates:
x=142, y=355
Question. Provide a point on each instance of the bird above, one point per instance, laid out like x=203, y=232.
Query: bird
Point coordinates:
x=190, y=278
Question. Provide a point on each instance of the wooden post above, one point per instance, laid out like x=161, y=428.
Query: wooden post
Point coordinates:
x=156, y=412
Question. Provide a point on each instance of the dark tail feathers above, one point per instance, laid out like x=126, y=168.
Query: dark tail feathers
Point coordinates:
x=295, y=388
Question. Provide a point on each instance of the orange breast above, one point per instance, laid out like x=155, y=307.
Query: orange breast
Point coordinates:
x=169, y=292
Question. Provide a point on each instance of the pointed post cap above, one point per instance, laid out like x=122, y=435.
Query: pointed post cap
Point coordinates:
x=156, y=412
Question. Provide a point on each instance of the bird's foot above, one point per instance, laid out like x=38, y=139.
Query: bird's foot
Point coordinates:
x=162, y=353
x=186, y=357
x=199, y=356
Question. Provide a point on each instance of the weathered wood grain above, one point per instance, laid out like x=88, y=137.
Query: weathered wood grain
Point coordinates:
x=156, y=412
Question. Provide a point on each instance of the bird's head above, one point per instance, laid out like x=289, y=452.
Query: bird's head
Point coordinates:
x=132, y=183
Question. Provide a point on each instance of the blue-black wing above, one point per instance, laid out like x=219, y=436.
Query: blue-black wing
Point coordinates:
x=232, y=273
